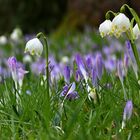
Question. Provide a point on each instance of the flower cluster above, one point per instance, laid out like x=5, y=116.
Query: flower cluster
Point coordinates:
x=117, y=26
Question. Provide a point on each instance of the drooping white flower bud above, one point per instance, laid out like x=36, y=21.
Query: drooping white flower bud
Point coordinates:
x=16, y=35
x=120, y=24
x=34, y=46
x=27, y=59
x=3, y=40
x=136, y=31
x=105, y=28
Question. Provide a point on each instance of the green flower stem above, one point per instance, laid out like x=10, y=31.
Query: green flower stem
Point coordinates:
x=39, y=35
x=135, y=51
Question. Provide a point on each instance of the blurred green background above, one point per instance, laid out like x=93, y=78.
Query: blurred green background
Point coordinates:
x=56, y=15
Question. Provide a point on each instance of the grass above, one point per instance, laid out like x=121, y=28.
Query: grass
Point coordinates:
x=28, y=117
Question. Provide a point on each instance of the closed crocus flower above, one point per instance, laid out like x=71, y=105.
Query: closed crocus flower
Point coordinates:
x=105, y=28
x=127, y=112
x=136, y=31
x=34, y=46
x=66, y=74
x=120, y=24
x=99, y=65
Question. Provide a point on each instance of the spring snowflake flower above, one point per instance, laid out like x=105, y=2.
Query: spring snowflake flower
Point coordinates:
x=3, y=40
x=34, y=46
x=136, y=31
x=120, y=24
x=16, y=35
x=105, y=28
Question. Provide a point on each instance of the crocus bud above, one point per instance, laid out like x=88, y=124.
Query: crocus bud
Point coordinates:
x=3, y=40
x=34, y=46
x=136, y=31
x=67, y=74
x=81, y=67
x=120, y=24
x=99, y=65
x=105, y=28
x=21, y=73
x=119, y=70
x=127, y=112
x=126, y=61
x=94, y=78
x=12, y=63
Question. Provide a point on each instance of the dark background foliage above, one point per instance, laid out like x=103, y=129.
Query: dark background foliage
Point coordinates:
x=49, y=15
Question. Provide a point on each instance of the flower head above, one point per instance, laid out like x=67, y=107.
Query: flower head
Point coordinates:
x=105, y=28
x=81, y=66
x=136, y=31
x=128, y=110
x=120, y=24
x=67, y=74
x=16, y=35
x=34, y=46
x=3, y=40
x=12, y=63
x=69, y=91
x=99, y=65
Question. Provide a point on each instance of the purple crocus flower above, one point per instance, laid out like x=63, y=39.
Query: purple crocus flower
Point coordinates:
x=110, y=64
x=81, y=66
x=78, y=75
x=132, y=58
x=17, y=71
x=67, y=74
x=128, y=110
x=69, y=91
x=126, y=61
x=12, y=63
x=99, y=65
x=119, y=70
x=21, y=72
x=94, y=77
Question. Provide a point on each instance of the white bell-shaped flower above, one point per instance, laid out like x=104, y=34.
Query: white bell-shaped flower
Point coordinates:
x=3, y=40
x=105, y=28
x=34, y=46
x=120, y=24
x=16, y=35
x=136, y=31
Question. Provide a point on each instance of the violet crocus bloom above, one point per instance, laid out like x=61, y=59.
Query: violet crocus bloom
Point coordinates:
x=81, y=66
x=119, y=70
x=12, y=63
x=126, y=61
x=127, y=112
x=69, y=91
x=99, y=65
x=78, y=75
x=17, y=71
x=94, y=77
x=21, y=74
x=67, y=74
x=132, y=58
